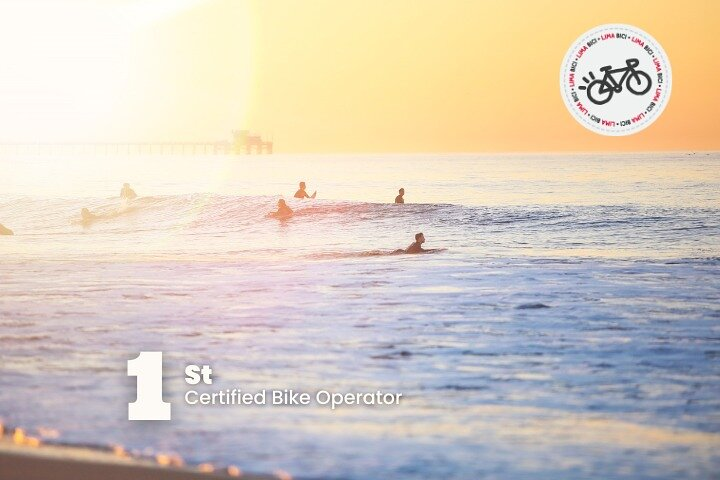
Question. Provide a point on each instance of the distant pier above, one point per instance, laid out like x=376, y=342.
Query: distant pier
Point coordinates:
x=242, y=143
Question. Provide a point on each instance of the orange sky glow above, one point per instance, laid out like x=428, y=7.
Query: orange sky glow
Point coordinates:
x=337, y=76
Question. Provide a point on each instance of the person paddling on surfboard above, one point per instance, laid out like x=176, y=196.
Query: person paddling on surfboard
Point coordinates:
x=416, y=246
x=301, y=193
x=127, y=193
x=87, y=217
x=283, y=210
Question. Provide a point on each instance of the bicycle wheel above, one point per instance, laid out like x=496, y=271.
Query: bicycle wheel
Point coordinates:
x=638, y=82
x=599, y=92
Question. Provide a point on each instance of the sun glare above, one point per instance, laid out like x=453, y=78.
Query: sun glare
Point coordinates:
x=65, y=64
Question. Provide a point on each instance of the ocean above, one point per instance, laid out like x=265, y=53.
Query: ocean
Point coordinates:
x=571, y=328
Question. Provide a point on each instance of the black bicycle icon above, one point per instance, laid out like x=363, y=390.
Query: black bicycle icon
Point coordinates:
x=601, y=91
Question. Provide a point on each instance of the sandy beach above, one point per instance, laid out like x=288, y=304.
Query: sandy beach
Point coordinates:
x=31, y=461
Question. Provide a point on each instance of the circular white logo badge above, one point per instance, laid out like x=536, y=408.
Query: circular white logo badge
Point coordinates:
x=615, y=79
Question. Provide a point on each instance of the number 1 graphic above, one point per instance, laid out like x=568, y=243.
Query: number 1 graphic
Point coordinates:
x=149, y=404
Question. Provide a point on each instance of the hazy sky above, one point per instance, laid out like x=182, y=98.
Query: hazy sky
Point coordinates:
x=337, y=76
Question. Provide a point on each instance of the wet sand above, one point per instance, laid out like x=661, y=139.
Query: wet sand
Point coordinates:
x=21, y=462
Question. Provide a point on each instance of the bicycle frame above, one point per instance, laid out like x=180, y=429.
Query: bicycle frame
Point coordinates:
x=608, y=78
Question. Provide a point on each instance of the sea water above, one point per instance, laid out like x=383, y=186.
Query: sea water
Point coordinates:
x=570, y=330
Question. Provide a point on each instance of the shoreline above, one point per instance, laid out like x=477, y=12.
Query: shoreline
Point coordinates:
x=25, y=457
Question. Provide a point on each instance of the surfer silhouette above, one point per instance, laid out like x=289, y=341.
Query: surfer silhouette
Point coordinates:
x=416, y=246
x=301, y=193
x=127, y=193
x=399, y=198
x=283, y=210
x=87, y=217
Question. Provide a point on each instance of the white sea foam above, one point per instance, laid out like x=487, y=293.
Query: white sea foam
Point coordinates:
x=573, y=338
